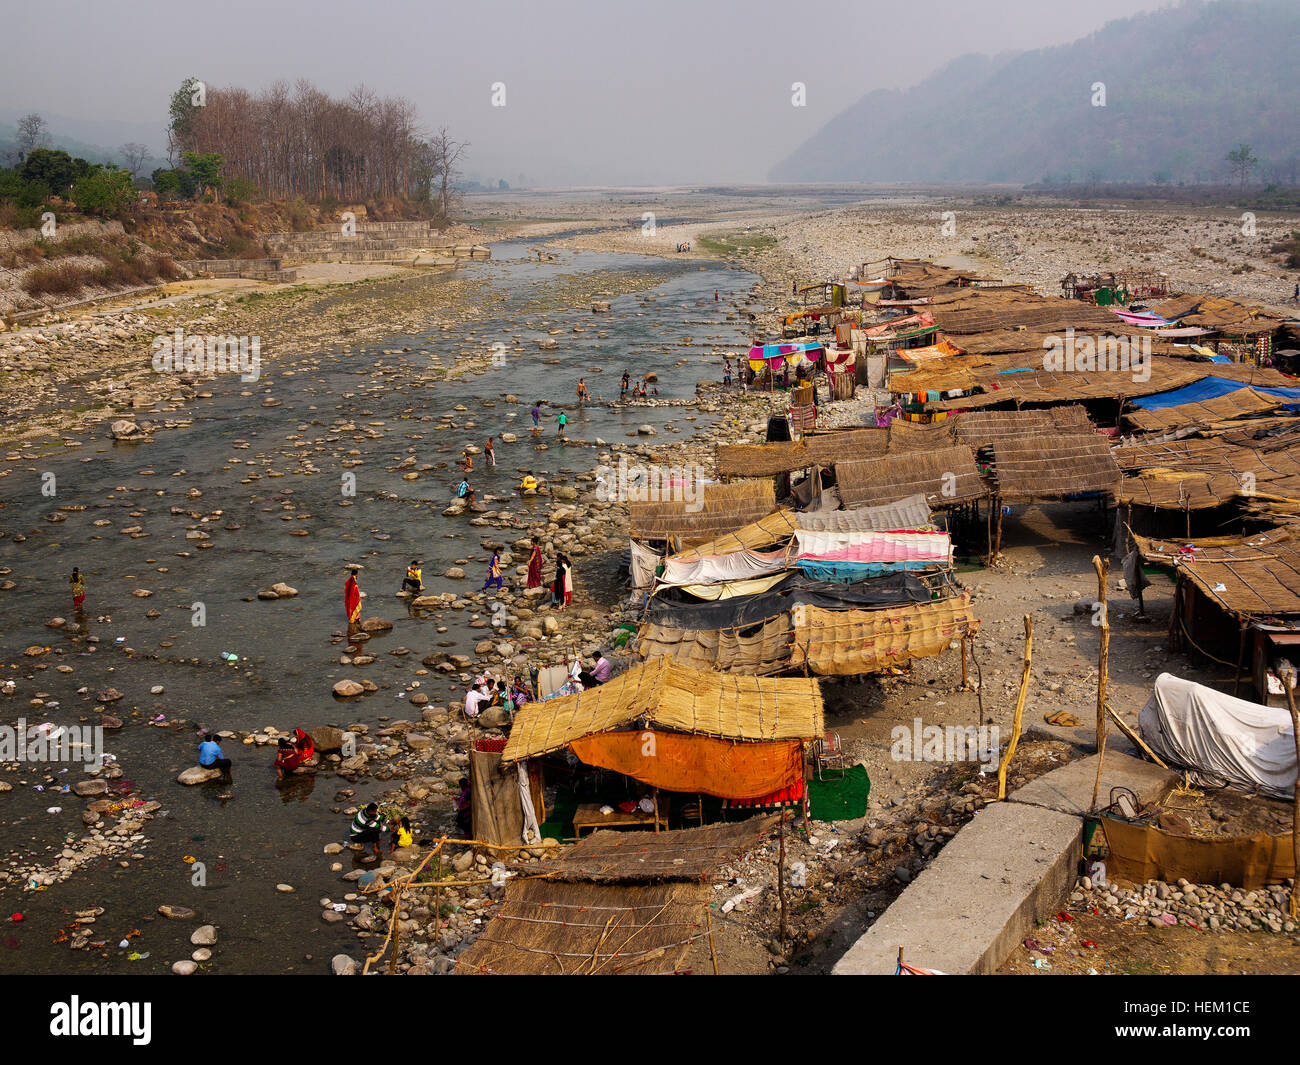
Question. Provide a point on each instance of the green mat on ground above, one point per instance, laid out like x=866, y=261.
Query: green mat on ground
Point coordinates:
x=835, y=799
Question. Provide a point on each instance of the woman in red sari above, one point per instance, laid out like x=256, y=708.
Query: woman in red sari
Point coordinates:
x=352, y=600
x=535, y=565
x=293, y=753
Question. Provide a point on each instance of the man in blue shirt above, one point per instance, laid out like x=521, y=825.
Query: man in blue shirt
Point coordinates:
x=211, y=756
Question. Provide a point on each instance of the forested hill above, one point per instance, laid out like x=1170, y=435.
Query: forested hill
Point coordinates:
x=1183, y=87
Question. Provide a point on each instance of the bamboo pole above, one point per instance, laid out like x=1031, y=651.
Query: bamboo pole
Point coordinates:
x=1005, y=764
x=1103, y=660
x=780, y=878
x=1289, y=681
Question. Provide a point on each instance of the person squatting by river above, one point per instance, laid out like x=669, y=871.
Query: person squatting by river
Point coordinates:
x=414, y=579
x=367, y=827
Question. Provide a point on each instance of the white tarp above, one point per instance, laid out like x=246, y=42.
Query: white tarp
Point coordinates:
x=643, y=565
x=1222, y=740
x=716, y=569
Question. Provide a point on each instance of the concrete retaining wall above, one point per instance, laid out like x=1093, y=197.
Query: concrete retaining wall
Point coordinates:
x=1008, y=869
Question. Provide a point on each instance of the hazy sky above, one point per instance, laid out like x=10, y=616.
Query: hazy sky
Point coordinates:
x=664, y=92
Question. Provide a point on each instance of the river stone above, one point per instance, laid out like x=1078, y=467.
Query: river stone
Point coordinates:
x=185, y=968
x=204, y=936
x=327, y=737
x=176, y=913
x=376, y=625
x=348, y=688
x=202, y=954
x=342, y=965
x=197, y=775
x=87, y=788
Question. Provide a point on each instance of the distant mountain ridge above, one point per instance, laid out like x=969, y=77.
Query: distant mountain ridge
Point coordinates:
x=1182, y=88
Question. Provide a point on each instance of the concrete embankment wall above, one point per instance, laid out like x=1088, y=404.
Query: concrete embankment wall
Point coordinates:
x=1009, y=869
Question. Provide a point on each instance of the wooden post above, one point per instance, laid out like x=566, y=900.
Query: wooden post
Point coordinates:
x=1241, y=656
x=1289, y=681
x=963, y=663
x=997, y=550
x=1173, y=613
x=780, y=875
x=1005, y=764
x=1103, y=660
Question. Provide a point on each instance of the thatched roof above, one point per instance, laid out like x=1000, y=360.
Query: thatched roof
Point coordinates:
x=660, y=692
x=1209, y=413
x=840, y=642
x=815, y=449
x=555, y=928
x=976, y=428
x=763, y=649
x=712, y=510
x=910, y=513
x=905, y=436
x=1256, y=581
x=1052, y=465
x=946, y=477
x=682, y=854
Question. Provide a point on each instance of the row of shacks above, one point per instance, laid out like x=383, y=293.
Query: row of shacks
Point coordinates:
x=835, y=553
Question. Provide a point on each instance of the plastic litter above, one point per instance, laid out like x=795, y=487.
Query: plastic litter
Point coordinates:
x=55, y=810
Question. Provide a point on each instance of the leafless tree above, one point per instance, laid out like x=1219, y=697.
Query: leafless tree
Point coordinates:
x=134, y=155
x=33, y=132
x=446, y=155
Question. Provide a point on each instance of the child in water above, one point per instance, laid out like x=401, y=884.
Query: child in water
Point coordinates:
x=401, y=835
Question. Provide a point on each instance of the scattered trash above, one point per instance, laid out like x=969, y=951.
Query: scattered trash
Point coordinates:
x=1042, y=963
x=798, y=875
x=55, y=810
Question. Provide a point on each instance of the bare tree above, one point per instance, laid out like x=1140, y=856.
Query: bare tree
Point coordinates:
x=446, y=155
x=134, y=155
x=33, y=132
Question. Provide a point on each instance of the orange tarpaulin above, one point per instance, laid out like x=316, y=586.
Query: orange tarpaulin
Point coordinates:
x=677, y=762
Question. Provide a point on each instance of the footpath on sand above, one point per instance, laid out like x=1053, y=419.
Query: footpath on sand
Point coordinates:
x=1004, y=873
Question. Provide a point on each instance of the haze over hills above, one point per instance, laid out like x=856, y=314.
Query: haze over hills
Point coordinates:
x=1182, y=88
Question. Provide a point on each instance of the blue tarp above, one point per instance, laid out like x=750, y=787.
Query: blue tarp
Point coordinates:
x=1208, y=388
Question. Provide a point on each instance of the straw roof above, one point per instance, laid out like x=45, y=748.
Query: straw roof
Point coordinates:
x=815, y=449
x=1051, y=465
x=680, y=854
x=978, y=428
x=1210, y=413
x=756, y=650
x=672, y=696
x=554, y=928
x=907, y=436
x=1220, y=314
x=840, y=642
x=946, y=476
x=1255, y=582
x=713, y=510
x=910, y=513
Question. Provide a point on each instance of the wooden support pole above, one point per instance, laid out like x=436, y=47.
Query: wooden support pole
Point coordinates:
x=1103, y=660
x=964, y=683
x=1016, y=722
x=1289, y=681
x=1241, y=657
x=780, y=876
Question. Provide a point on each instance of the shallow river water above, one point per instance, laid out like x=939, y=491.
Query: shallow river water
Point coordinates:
x=261, y=835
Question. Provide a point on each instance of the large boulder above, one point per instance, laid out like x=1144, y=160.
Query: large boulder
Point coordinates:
x=346, y=689
x=196, y=774
x=125, y=430
x=327, y=738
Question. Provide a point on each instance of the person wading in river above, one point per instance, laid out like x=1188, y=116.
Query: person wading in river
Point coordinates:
x=78, y=582
x=494, y=572
x=561, y=420
x=535, y=566
x=489, y=453
x=352, y=600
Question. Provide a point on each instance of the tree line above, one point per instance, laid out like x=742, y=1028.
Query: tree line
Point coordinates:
x=299, y=142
